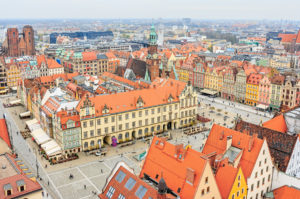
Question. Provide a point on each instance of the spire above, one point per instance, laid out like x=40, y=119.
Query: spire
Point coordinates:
x=153, y=36
x=147, y=77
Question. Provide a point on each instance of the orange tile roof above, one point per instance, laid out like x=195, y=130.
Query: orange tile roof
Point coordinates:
x=285, y=192
x=276, y=124
x=110, y=55
x=53, y=64
x=225, y=178
x=214, y=143
x=4, y=133
x=287, y=38
x=298, y=38
x=172, y=162
x=89, y=56
x=125, y=101
x=254, y=79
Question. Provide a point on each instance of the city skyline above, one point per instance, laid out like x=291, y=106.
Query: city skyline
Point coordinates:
x=96, y=9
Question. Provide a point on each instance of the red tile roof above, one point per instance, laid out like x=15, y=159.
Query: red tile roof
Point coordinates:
x=4, y=133
x=125, y=101
x=298, y=38
x=121, y=189
x=53, y=64
x=173, y=162
x=254, y=79
x=276, y=124
x=242, y=141
x=31, y=186
x=89, y=56
x=287, y=38
x=225, y=178
x=285, y=192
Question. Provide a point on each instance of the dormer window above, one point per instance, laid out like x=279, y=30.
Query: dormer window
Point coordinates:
x=105, y=109
x=140, y=102
x=7, y=189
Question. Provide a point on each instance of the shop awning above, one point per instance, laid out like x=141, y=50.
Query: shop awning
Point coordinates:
x=40, y=136
x=51, y=148
x=209, y=92
x=33, y=125
x=262, y=106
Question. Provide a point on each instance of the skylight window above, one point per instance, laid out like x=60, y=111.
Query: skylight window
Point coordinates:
x=130, y=183
x=120, y=177
x=140, y=193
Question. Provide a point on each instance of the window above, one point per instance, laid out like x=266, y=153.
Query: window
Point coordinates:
x=152, y=120
x=242, y=190
x=237, y=194
x=206, y=180
x=207, y=190
x=140, y=113
x=146, y=112
x=263, y=181
x=265, y=160
x=158, y=110
x=92, y=133
x=127, y=125
x=120, y=117
x=130, y=183
x=113, y=129
x=152, y=111
x=140, y=123
x=110, y=192
x=261, y=172
x=120, y=127
x=106, y=130
x=127, y=116
x=267, y=168
x=239, y=178
x=113, y=119
x=252, y=186
x=239, y=184
x=257, y=184
x=98, y=122
x=106, y=120
x=121, y=196
x=232, y=196
x=255, y=174
x=202, y=192
x=22, y=188
x=264, y=152
x=133, y=124
x=91, y=123
x=84, y=124
x=269, y=178
x=140, y=193
x=120, y=177
x=85, y=134
x=146, y=121
x=133, y=115
x=158, y=119
x=259, y=163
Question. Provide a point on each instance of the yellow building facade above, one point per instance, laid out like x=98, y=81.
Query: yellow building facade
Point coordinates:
x=123, y=117
x=13, y=75
x=239, y=187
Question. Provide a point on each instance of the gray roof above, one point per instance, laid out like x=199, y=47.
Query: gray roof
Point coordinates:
x=232, y=153
x=20, y=183
x=7, y=187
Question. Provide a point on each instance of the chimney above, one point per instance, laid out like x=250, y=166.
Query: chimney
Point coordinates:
x=251, y=142
x=222, y=135
x=229, y=142
x=190, y=176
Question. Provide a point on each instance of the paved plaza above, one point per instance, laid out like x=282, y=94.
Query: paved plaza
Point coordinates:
x=90, y=172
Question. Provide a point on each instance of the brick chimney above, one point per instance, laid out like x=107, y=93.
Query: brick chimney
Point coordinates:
x=229, y=142
x=251, y=142
x=190, y=176
x=222, y=135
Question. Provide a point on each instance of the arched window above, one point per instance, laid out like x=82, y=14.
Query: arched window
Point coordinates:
x=99, y=142
x=120, y=136
x=92, y=143
x=140, y=132
x=86, y=144
x=152, y=129
x=127, y=135
x=146, y=130
x=158, y=127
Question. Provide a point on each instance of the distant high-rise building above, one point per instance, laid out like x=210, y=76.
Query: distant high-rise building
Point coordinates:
x=19, y=44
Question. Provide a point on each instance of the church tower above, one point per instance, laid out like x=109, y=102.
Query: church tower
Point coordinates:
x=152, y=58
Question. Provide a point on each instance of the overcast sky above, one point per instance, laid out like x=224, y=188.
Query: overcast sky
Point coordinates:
x=197, y=9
